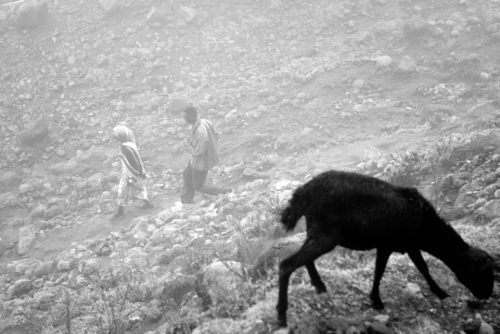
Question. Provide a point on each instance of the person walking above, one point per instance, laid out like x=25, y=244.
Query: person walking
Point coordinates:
x=202, y=144
x=132, y=181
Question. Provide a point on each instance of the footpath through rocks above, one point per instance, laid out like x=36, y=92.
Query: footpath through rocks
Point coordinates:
x=404, y=91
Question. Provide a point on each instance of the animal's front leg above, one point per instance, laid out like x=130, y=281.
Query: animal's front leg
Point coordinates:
x=380, y=264
x=315, y=278
x=310, y=251
x=416, y=257
x=281, y=307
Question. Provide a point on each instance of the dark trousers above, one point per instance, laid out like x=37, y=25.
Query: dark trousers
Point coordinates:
x=194, y=180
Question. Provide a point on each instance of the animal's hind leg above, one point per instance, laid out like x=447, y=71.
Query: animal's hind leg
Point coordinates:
x=380, y=264
x=416, y=257
x=310, y=251
x=315, y=278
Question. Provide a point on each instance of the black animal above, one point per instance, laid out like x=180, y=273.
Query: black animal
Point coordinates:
x=361, y=212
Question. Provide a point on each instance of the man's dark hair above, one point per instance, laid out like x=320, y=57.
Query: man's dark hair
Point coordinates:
x=191, y=111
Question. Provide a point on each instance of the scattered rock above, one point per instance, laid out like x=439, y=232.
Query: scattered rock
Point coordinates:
x=22, y=286
x=26, y=239
x=38, y=211
x=416, y=26
x=101, y=60
x=110, y=6
x=407, y=65
x=188, y=14
x=285, y=141
x=10, y=179
x=378, y=328
x=364, y=37
x=251, y=173
x=43, y=269
x=218, y=279
x=154, y=15
x=37, y=133
x=486, y=328
x=32, y=14
x=383, y=62
x=177, y=104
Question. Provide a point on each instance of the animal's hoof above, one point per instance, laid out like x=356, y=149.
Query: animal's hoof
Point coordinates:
x=441, y=294
x=282, y=321
x=474, y=304
x=377, y=305
x=321, y=289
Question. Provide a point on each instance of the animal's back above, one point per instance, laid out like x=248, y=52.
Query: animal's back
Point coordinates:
x=363, y=212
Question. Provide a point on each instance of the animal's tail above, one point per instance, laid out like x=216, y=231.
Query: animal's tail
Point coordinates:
x=295, y=210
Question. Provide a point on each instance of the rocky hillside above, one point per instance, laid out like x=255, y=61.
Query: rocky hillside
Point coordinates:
x=403, y=90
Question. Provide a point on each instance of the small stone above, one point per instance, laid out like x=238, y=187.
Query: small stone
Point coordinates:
x=101, y=60
x=407, y=65
x=486, y=328
x=38, y=283
x=263, y=93
x=358, y=83
x=285, y=141
x=187, y=14
x=43, y=269
x=383, y=62
x=379, y=328
x=22, y=286
x=91, y=266
x=413, y=288
x=364, y=36
x=484, y=76
x=10, y=179
x=109, y=6
x=154, y=15
x=383, y=318
x=63, y=265
x=36, y=133
x=31, y=15
x=230, y=117
x=26, y=238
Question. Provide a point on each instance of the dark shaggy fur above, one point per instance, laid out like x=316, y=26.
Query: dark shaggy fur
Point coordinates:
x=361, y=212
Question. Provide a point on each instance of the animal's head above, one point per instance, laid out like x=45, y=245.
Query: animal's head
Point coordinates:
x=476, y=272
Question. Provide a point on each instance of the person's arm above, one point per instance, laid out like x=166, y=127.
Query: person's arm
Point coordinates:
x=197, y=145
x=216, y=134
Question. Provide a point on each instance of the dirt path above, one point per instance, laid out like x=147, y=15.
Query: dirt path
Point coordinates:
x=100, y=226
x=343, y=156
x=338, y=157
